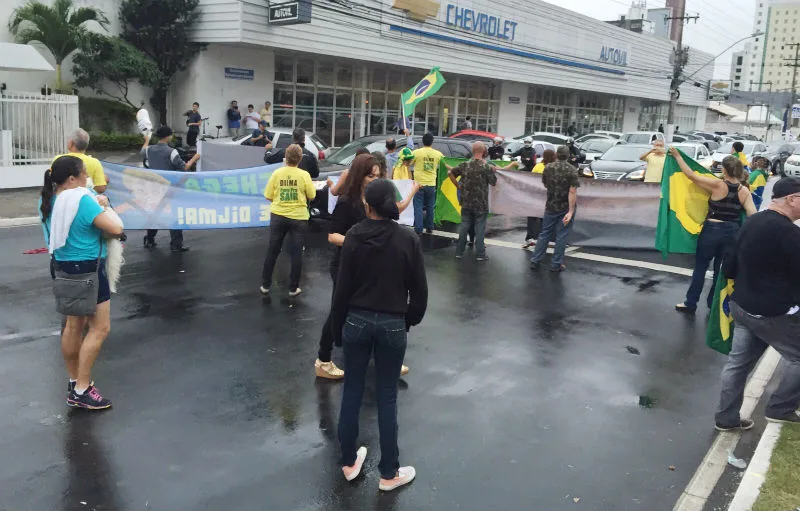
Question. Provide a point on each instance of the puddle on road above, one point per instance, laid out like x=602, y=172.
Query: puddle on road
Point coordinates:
x=641, y=283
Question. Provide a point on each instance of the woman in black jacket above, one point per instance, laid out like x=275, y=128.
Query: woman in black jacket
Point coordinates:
x=381, y=291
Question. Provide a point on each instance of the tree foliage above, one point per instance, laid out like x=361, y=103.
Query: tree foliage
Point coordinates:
x=104, y=61
x=161, y=29
x=61, y=28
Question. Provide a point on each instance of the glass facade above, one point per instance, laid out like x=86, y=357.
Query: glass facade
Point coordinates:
x=551, y=109
x=654, y=113
x=343, y=101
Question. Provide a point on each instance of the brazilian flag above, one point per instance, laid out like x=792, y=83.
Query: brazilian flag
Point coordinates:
x=757, y=182
x=683, y=208
x=448, y=207
x=719, y=332
x=426, y=88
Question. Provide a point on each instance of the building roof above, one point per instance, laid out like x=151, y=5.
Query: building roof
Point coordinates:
x=21, y=57
x=726, y=110
x=756, y=115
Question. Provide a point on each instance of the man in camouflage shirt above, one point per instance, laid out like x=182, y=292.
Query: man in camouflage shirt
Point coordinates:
x=476, y=176
x=561, y=180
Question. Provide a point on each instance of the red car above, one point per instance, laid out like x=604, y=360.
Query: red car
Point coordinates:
x=483, y=136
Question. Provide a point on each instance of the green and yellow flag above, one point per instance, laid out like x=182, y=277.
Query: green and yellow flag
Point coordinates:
x=426, y=88
x=448, y=207
x=683, y=209
x=719, y=332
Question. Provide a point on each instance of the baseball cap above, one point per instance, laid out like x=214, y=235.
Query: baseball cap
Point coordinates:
x=381, y=196
x=163, y=132
x=786, y=186
x=406, y=154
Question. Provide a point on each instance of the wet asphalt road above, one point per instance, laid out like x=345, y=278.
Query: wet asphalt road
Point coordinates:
x=525, y=391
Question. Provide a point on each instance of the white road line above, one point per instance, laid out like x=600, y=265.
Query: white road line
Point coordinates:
x=19, y=222
x=574, y=252
x=43, y=332
x=712, y=467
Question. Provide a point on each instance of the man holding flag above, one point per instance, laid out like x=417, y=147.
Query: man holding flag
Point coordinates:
x=765, y=264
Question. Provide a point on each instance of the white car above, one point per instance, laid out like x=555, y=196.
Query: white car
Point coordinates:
x=612, y=134
x=546, y=136
x=281, y=140
x=792, y=165
x=538, y=145
x=696, y=151
x=642, y=137
x=751, y=148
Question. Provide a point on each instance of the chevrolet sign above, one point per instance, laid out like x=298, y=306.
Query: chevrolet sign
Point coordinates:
x=419, y=10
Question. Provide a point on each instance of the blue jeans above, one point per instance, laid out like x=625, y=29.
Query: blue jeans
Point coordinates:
x=553, y=222
x=711, y=244
x=472, y=222
x=425, y=198
x=363, y=333
x=752, y=336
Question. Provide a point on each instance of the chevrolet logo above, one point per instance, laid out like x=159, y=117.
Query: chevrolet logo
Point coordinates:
x=418, y=9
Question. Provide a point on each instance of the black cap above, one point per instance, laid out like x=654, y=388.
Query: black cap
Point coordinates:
x=163, y=132
x=381, y=195
x=786, y=186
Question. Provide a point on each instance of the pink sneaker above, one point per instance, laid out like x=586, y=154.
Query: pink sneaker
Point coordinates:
x=404, y=476
x=352, y=472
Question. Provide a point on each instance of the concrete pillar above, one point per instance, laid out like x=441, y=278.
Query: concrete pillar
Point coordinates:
x=513, y=106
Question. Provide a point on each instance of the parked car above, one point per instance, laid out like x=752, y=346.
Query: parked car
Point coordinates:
x=473, y=135
x=694, y=150
x=792, y=165
x=612, y=134
x=778, y=154
x=538, y=145
x=591, y=136
x=642, y=137
x=343, y=157
x=620, y=163
x=706, y=135
x=710, y=144
x=594, y=149
x=281, y=140
x=751, y=148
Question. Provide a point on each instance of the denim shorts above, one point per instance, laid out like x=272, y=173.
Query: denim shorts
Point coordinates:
x=75, y=267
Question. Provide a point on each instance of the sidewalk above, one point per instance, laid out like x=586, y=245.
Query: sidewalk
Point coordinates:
x=18, y=207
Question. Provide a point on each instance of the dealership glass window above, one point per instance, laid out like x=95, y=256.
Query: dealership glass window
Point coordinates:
x=344, y=75
x=283, y=106
x=304, y=108
x=377, y=113
x=284, y=68
x=305, y=71
x=343, y=117
x=325, y=73
x=324, y=114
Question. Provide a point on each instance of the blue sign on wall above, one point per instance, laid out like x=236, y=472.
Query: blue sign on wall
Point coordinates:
x=235, y=73
x=614, y=56
x=480, y=22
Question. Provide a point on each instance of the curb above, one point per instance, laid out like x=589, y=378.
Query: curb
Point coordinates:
x=750, y=487
x=705, y=479
x=17, y=222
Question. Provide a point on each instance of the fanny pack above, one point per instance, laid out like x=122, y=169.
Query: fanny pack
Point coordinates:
x=76, y=293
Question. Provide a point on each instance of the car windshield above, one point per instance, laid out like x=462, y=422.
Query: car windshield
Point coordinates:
x=345, y=155
x=598, y=146
x=623, y=153
x=797, y=150
x=690, y=150
x=638, y=138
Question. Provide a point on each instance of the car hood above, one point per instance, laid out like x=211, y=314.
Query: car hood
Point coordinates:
x=328, y=169
x=617, y=166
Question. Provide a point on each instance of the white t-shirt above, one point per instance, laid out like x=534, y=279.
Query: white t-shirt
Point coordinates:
x=251, y=120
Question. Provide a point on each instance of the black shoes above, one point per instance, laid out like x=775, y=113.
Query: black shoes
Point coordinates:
x=791, y=418
x=149, y=242
x=685, y=309
x=89, y=400
x=744, y=425
x=179, y=250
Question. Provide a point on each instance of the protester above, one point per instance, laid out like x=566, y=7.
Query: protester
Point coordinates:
x=765, y=266
x=193, y=122
x=574, y=153
x=308, y=162
x=74, y=224
x=266, y=113
x=262, y=137
x=655, y=159
x=758, y=179
x=289, y=188
x=251, y=118
x=476, y=176
x=77, y=144
x=497, y=151
x=534, y=227
x=234, y=119
x=467, y=125
x=661, y=128
x=726, y=203
x=561, y=180
x=163, y=157
x=737, y=149
x=402, y=169
x=426, y=168
x=572, y=130
x=392, y=152
x=526, y=154
x=381, y=291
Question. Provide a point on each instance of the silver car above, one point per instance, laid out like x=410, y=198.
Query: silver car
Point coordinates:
x=281, y=140
x=620, y=163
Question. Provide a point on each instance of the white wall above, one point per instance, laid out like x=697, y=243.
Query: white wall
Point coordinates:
x=630, y=121
x=511, y=117
x=204, y=81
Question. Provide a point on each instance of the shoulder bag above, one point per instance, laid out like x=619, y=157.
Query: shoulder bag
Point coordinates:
x=76, y=294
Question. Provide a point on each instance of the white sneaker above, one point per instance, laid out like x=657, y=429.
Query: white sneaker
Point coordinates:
x=404, y=476
x=264, y=290
x=404, y=370
x=351, y=473
x=295, y=292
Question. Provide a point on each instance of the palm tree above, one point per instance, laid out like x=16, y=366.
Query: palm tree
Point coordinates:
x=60, y=28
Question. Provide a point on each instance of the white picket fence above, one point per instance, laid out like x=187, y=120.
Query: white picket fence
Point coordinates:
x=33, y=129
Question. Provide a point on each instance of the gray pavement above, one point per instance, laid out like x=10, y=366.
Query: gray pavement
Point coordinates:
x=527, y=390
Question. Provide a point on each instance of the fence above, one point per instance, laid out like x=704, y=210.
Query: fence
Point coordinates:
x=34, y=127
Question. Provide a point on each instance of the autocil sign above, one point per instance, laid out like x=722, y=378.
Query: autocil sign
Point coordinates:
x=616, y=56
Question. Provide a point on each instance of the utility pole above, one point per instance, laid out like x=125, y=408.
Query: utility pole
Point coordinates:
x=681, y=58
x=795, y=63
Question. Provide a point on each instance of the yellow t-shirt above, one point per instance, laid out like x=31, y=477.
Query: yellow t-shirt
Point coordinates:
x=290, y=189
x=655, y=168
x=742, y=158
x=538, y=168
x=426, y=165
x=400, y=172
x=93, y=167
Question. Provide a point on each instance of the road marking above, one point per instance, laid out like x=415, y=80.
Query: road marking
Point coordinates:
x=574, y=252
x=19, y=222
x=750, y=487
x=712, y=467
x=43, y=332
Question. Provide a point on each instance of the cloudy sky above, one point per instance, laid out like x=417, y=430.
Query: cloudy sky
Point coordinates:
x=721, y=22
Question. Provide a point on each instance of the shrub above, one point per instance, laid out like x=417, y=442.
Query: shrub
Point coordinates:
x=106, y=115
x=102, y=141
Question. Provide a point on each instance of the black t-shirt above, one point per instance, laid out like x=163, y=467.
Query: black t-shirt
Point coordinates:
x=194, y=117
x=496, y=152
x=346, y=214
x=767, y=270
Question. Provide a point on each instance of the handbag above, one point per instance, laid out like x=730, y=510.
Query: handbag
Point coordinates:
x=76, y=293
